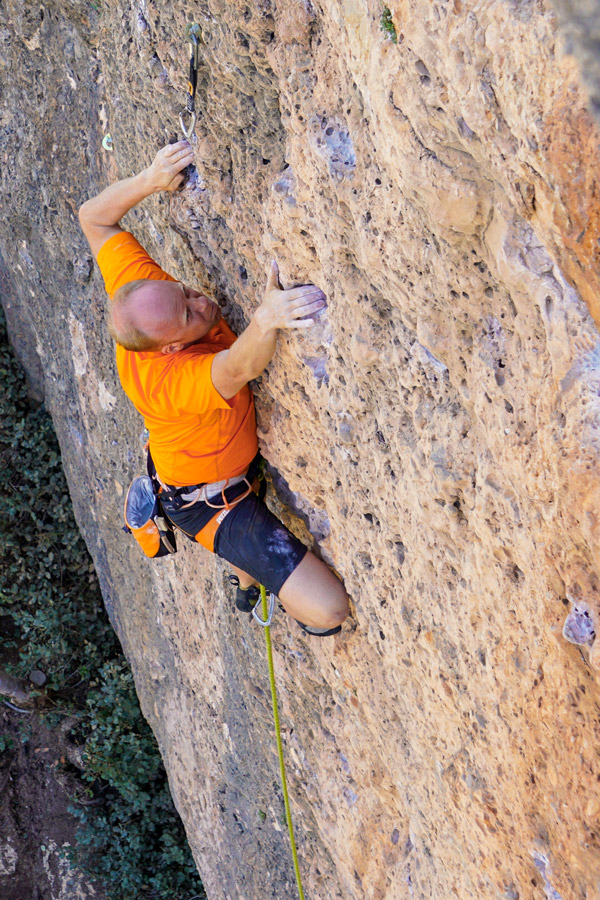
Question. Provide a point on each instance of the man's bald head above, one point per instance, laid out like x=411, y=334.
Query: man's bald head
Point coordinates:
x=122, y=319
x=152, y=314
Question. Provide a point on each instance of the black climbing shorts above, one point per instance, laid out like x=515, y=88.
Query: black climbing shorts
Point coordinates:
x=254, y=540
x=249, y=537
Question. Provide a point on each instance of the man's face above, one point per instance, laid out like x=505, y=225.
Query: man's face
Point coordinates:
x=174, y=313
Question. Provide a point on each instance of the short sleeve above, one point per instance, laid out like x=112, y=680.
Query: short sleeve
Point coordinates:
x=122, y=259
x=193, y=387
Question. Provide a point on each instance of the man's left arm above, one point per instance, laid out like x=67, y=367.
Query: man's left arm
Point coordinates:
x=100, y=216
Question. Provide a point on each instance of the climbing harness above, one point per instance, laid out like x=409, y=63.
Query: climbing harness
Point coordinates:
x=267, y=615
x=206, y=535
x=194, y=36
x=148, y=500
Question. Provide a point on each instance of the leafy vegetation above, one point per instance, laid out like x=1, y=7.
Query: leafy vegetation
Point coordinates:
x=387, y=24
x=6, y=743
x=137, y=823
x=132, y=839
x=47, y=581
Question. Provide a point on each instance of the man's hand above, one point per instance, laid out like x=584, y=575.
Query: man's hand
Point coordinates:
x=293, y=308
x=165, y=172
x=100, y=216
x=248, y=356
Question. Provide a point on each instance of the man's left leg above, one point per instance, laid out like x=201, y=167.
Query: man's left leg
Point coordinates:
x=253, y=540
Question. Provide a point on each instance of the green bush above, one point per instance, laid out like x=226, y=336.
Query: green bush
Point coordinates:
x=387, y=24
x=132, y=839
x=47, y=581
x=137, y=823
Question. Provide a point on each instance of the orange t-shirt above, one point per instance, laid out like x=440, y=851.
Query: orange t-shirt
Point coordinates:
x=195, y=435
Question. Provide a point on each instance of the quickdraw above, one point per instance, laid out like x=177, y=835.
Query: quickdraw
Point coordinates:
x=194, y=36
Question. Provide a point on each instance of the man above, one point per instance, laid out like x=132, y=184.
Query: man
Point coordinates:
x=187, y=374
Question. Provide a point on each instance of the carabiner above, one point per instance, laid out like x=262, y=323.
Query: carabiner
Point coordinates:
x=194, y=36
x=188, y=132
x=265, y=622
x=193, y=31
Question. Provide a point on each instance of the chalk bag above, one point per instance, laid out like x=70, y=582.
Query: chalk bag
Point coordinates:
x=144, y=519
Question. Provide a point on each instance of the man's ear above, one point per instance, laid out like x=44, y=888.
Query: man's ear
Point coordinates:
x=171, y=348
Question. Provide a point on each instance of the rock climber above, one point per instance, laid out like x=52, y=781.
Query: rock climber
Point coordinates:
x=187, y=374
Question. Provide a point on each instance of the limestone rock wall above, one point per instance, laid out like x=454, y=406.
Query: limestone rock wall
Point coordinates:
x=579, y=22
x=436, y=434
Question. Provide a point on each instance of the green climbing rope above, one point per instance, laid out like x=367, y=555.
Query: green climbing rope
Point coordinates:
x=286, y=799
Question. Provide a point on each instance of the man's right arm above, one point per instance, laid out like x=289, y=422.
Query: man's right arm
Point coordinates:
x=100, y=216
x=254, y=348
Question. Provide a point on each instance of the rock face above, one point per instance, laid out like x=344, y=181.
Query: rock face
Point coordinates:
x=436, y=433
x=580, y=25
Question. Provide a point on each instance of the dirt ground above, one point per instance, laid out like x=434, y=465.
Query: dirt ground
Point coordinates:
x=37, y=784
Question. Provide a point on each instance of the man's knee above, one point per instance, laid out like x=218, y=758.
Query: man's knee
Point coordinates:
x=333, y=604
x=314, y=592
x=337, y=603
x=337, y=611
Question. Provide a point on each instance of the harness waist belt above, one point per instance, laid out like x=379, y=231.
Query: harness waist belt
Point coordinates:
x=211, y=492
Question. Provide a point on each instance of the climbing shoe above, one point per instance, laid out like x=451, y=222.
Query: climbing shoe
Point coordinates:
x=245, y=599
x=319, y=632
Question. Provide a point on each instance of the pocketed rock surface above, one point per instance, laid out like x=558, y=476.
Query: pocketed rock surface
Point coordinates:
x=435, y=434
